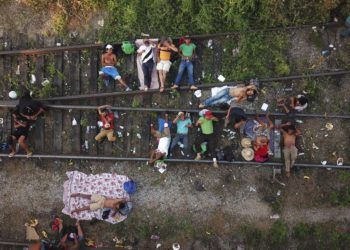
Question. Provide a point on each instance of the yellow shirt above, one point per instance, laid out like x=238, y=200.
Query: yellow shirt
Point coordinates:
x=164, y=53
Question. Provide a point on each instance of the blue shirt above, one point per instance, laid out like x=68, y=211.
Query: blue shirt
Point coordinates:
x=182, y=126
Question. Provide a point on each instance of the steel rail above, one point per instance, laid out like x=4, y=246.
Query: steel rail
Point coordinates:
x=140, y=159
x=202, y=36
x=13, y=104
x=203, y=86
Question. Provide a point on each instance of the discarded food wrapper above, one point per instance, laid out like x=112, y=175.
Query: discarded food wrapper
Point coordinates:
x=274, y=217
x=329, y=126
x=210, y=43
x=176, y=246
x=32, y=79
x=158, y=245
x=340, y=162
x=101, y=22
x=306, y=177
x=324, y=163
x=45, y=82
x=74, y=122
x=264, y=107
x=13, y=94
x=221, y=78
x=58, y=44
x=252, y=189
x=99, y=124
x=18, y=72
x=278, y=193
x=314, y=146
x=121, y=127
x=198, y=93
x=139, y=135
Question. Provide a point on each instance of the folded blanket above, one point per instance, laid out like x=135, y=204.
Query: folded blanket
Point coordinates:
x=106, y=184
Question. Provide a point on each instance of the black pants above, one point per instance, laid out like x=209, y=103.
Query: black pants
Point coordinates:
x=210, y=139
x=147, y=69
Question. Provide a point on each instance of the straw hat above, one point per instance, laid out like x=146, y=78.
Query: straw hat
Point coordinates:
x=247, y=154
x=246, y=143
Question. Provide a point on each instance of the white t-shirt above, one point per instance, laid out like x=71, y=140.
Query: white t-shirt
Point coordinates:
x=163, y=145
x=147, y=53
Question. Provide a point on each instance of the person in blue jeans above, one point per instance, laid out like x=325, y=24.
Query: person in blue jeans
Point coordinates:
x=183, y=124
x=187, y=52
x=235, y=93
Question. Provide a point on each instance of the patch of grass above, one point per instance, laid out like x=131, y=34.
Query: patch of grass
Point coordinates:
x=84, y=122
x=302, y=231
x=316, y=39
x=253, y=236
x=340, y=198
x=136, y=103
x=278, y=233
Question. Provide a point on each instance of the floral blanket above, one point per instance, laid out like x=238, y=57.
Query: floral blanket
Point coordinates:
x=106, y=184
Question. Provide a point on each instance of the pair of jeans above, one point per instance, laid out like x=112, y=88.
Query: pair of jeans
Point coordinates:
x=210, y=139
x=185, y=64
x=147, y=69
x=222, y=96
x=180, y=138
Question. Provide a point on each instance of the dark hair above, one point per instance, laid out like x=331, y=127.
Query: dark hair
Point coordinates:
x=105, y=111
x=302, y=100
x=26, y=95
x=290, y=127
x=251, y=98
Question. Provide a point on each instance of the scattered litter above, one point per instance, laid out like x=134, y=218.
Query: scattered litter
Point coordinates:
x=101, y=22
x=252, y=189
x=314, y=28
x=334, y=154
x=329, y=126
x=340, y=161
x=198, y=93
x=87, y=129
x=45, y=82
x=306, y=177
x=119, y=134
x=44, y=234
x=299, y=121
x=158, y=245
x=121, y=127
x=264, y=107
x=176, y=246
x=278, y=193
x=221, y=78
x=208, y=233
x=18, y=72
x=58, y=44
x=324, y=163
x=274, y=217
x=99, y=124
x=155, y=237
x=32, y=79
x=13, y=94
x=210, y=43
x=190, y=102
x=314, y=146
x=1, y=121
x=86, y=144
x=138, y=136
x=326, y=135
x=74, y=122
x=301, y=153
x=127, y=133
x=235, y=52
x=70, y=110
x=134, y=150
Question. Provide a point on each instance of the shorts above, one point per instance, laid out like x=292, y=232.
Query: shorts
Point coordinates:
x=106, y=132
x=110, y=71
x=164, y=65
x=98, y=202
x=21, y=131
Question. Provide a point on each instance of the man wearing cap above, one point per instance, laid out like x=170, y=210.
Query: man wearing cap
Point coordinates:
x=108, y=62
x=187, y=52
x=163, y=144
x=183, y=123
x=107, y=119
x=206, y=135
x=146, y=53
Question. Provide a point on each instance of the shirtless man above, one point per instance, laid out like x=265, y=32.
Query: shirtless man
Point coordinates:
x=233, y=93
x=289, y=150
x=98, y=202
x=108, y=62
x=20, y=133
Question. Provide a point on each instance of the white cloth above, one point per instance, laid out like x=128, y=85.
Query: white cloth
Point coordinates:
x=147, y=52
x=163, y=145
x=164, y=65
x=301, y=108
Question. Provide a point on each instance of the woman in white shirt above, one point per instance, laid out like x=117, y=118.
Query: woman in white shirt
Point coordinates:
x=146, y=53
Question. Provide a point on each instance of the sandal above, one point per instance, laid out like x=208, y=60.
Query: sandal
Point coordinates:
x=12, y=154
x=193, y=87
x=174, y=86
x=29, y=154
x=161, y=90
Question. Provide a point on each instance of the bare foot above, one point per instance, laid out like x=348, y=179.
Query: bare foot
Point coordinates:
x=193, y=87
x=174, y=86
x=12, y=154
x=29, y=154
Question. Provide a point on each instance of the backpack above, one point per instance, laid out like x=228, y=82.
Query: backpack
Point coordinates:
x=128, y=48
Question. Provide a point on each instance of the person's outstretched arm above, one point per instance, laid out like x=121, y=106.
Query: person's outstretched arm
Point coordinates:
x=77, y=210
x=102, y=107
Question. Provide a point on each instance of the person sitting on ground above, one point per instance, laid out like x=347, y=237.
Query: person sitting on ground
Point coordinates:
x=71, y=237
x=146, y=53
x=183, y=123
x=163, y=144
x=187, y=52
x=20, y=133
x=29, y=108
x=295, y=103
x=232, y=93
x=206, y=135
x=289, y=149
x=108, y=62
x=107, y=119
x=98, y=202
x=262, y=139
x=165, y=48
x=236, y=116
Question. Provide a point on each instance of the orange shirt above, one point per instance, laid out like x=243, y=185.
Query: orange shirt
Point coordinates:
x=164, y=53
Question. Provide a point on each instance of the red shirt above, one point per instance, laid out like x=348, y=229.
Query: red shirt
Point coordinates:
x=109, y=118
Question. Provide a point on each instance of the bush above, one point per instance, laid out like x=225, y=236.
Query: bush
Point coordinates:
x=278, y=233
x=302, y=231
x=252, y=236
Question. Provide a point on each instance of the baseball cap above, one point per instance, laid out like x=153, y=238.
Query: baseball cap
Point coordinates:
x=208, y=114
x=109, y=46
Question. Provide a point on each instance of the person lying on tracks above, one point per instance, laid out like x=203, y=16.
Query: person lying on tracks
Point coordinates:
x=29, y=108
x=164, y=139
x=206, y=135
x=236, y=116
x=20, y=133
x=108, y=62
x=290, y=151
x=183, y=123
x=146, y=53
x=187, y=52
x=232, y=94
x=295, y=103
x=99, y=202
x=262, y=139
x=165, y=48
x=107, y=119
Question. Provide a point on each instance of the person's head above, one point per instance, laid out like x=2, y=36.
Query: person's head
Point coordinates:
x=251, y=94
x=181, y=115
x=263, y=141
x=109, y=48
x=302, y=100
x=291, y=130
x=104, y=112
x=208, y=114
x=26, y=95
x=187, y=39
x=146, y=42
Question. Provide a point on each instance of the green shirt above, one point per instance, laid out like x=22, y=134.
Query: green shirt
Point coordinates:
x=187, y=50
x=206, y=126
